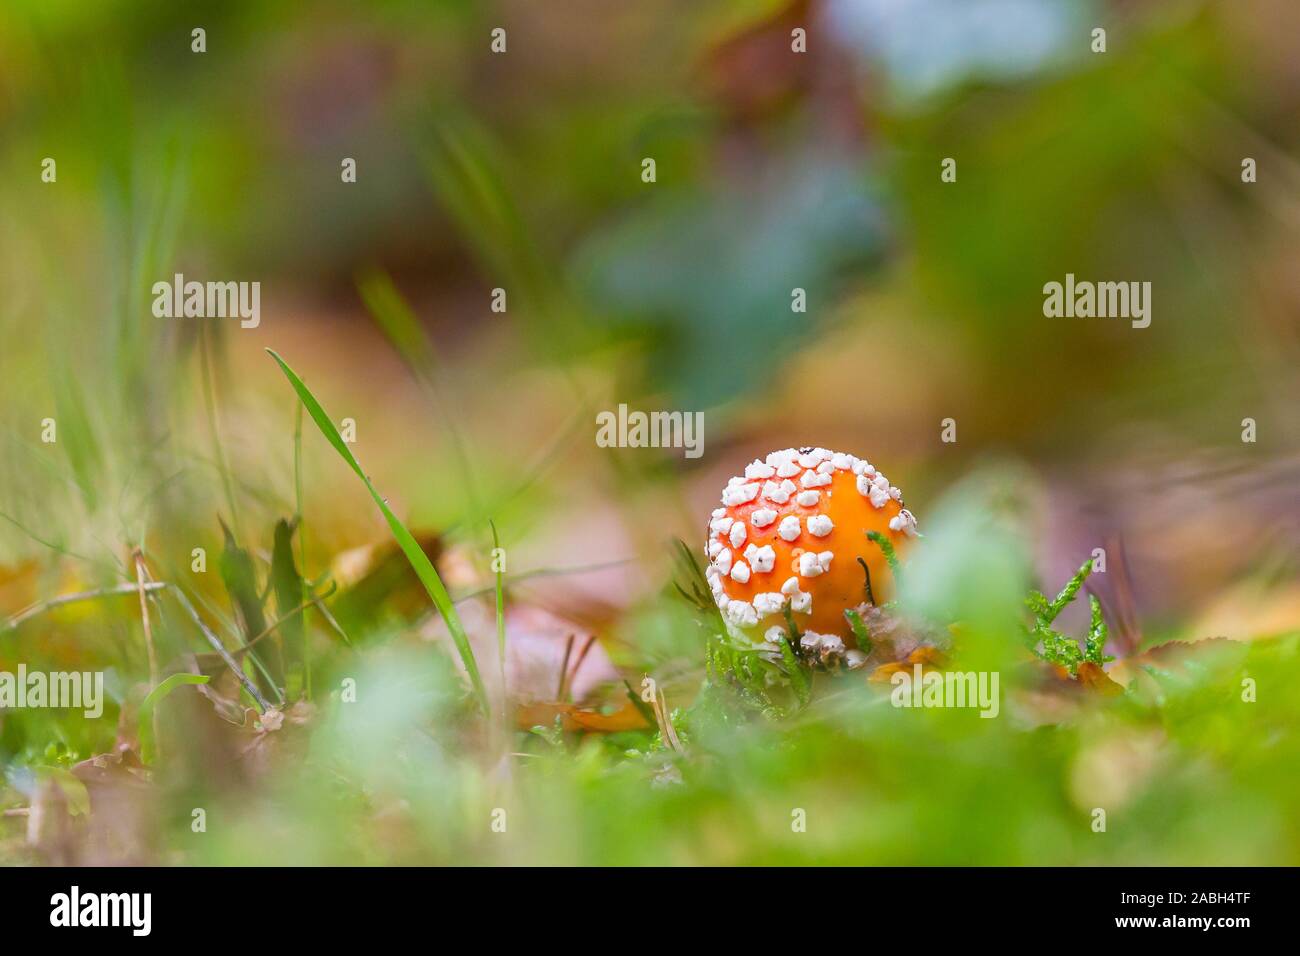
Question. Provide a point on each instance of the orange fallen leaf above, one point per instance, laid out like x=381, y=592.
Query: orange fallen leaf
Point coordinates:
x=930, y=659
x=576, y=718
x=1092, y=676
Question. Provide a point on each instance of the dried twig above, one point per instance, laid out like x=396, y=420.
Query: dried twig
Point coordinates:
x=220, y=648
x=564, y=668
x=319, y=605
x=666, y=724
x=270, y=628
x=40, y=607
x=143, y=587
x=140, y=575
x=577, y=664
x=1130, y=631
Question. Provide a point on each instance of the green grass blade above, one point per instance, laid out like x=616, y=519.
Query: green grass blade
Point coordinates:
x=302, y=541
x=798, y=676
x=149, y=746
x=167, y=686
x=501, y=606
x=287, y=585
x=424, y=568
x=240, y=578
x=397, y=321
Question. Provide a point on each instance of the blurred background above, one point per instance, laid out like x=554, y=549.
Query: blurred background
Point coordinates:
x=522, y=171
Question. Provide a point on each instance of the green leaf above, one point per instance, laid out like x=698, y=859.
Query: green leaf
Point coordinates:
x=424, y=568
x=240, y=578
x=501, y=605
x=144, y=724
x=165, y=687
x=396, y=320
x=799, y=679
x=289, y=594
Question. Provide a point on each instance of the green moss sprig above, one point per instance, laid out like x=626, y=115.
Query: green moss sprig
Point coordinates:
x=1051, y=645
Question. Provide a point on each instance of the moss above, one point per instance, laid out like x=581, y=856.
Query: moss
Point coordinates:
x=1054, y=647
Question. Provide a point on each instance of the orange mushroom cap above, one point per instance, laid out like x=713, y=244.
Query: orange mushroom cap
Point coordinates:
x=792, y=528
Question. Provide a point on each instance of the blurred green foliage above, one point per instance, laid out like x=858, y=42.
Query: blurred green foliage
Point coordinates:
x=523, y=173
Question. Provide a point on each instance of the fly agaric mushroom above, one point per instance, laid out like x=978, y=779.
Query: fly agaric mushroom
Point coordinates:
x=794, y=529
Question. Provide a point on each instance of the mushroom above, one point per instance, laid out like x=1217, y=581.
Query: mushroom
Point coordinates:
x=793, y=529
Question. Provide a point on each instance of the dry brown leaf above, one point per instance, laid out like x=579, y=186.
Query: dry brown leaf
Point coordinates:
x=119, y=830
x=576, y=718
x=1092, y=676
x=930, y=659
x=1173, y=655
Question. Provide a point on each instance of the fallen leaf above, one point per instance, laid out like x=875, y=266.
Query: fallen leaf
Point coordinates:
x=576, y=718
x=1092, y=676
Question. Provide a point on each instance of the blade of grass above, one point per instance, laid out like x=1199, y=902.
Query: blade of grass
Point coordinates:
x=286, y=584
x=49, y=544
x=275, y=625
x=244, y=680
x=140, y=576
x=469, y=172
x=246, y=598
x=465, y=169
x=424, y=568
x=544, y=573
x=148, y=716
x=302, y=537
x=214, y=426
x=333, y=623
x=397, y=321
x=169, y=685
x=254, y=665
x=501, y=609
